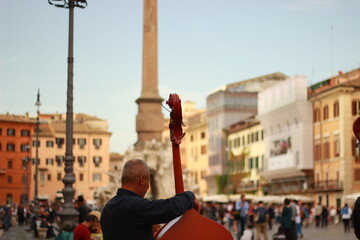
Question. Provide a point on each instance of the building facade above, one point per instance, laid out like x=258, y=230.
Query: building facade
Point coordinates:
x=286, y=117
x=245, y=156
x=228, y=105
x=91, y=152
x=196, y=164
x=336, y=105
x=15, y=157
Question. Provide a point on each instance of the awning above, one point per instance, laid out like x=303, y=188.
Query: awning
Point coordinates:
x=351, y=197
x=282, y=173
x=43, y=197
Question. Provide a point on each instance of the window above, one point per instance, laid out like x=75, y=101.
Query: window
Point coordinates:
x=59, y=160
x=10, y=163
x=262, y=134
x=317, y=152
x=336, y=147
x=23, y=180
x=11, y=132
x=59, y=142
x=10, y=147
x=25, y=147
x=25, y=133
x=9, y=179
x=34, y=143
x=58, y=176
x=355, y=108
x=0, y=131
x=49, y=144
x=257, y=162
x=326, y=112
x=38, y=161
x=42, y=177
x=97, y=143
x=96, y=177
x=81, y=177
x=49, y=161
x=336, y=109
x=316, y=115
x=326, y=150
x=81, y=160
x=191, y=138
x=202, y=135
x=49, y=177
x=97, y=161
x=82, y=142
x=250, y=163
x=357, y=174
x=203, y=149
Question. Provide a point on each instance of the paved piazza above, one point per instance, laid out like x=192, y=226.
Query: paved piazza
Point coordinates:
x=332, y=232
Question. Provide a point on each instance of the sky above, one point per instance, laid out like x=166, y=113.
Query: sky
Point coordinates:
x=203, y=45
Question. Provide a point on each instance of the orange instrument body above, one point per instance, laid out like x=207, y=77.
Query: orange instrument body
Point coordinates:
x=191, y=225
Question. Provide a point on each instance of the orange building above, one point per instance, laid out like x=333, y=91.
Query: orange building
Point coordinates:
x=336, y=104
x=15, y=155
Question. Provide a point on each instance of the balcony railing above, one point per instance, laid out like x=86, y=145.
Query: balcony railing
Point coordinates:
x=330, y=185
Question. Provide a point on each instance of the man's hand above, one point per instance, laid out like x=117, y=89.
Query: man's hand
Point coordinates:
x=197, y=205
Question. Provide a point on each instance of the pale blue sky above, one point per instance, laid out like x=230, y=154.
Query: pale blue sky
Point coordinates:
x=202, y=45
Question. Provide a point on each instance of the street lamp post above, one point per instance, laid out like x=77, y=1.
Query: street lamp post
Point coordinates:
x=69, y=214
x=36, y=190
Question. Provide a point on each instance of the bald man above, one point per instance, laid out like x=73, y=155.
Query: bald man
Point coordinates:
x=129, y=215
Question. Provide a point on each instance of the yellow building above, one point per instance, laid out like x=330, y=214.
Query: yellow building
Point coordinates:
x=91, y=151
x=193, y=147
x=245, y=156
x=197, y=164
x=336, y=104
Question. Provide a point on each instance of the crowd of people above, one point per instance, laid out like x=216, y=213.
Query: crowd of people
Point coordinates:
x=128, y=215
x=250, y=220
x=45, y=217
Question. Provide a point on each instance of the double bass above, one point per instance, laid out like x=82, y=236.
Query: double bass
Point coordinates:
x=190, y=225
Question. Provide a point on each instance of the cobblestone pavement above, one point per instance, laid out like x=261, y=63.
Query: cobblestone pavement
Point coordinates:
x=332, y=232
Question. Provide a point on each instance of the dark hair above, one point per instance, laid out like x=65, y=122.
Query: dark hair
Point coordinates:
x=250, y=226
x=91, y=218
x=286, y=201
x=80, y=198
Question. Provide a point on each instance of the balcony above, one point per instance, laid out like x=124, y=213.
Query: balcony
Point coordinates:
x=247, y=187
x=325, y=186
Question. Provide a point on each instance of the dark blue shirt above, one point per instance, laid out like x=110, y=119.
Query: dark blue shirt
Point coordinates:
x=129, y=216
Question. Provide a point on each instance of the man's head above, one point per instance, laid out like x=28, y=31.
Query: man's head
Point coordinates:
x=136, y=176
x=243, y=197
x=92, y=220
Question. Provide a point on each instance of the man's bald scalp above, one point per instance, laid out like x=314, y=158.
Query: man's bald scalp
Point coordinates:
x=133, y=169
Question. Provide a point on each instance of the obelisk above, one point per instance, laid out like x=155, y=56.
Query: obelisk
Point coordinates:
x=149, y=120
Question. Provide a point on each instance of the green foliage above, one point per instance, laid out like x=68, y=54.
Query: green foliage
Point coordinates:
x=221, y=182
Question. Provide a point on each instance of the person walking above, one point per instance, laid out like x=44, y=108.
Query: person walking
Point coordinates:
x=242, y=206
x=286, y=219
x=82, y=208
x=128, y=215
x=324, y=217
x=318, y=211
x=298, y=220
x=261, y=216
x=271, y=215
x=346, y=216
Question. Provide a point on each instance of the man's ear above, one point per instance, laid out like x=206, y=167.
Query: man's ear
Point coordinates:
x=141, y=179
